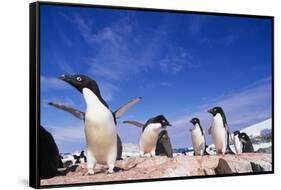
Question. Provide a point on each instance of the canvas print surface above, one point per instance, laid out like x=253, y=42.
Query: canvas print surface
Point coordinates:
x=136, y=95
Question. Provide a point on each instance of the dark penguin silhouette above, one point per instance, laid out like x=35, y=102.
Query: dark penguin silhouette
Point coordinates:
x=164, y=146
x=153, y=137
x=49, y=157
x=247, y=145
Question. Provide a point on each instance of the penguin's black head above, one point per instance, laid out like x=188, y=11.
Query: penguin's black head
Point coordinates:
x=236, y=133
x=244, y=137
x=82, y=153
x=216, y=110
x=81, y=81
x=195, y=120
x=162, y=120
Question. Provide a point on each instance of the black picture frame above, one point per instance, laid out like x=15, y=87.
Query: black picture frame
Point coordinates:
x=34, y=91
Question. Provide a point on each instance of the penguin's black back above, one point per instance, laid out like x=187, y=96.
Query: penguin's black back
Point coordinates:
x=246, y=146
x=49, y=157
x=163, y=146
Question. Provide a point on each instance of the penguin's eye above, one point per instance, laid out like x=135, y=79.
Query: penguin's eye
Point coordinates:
x=79, y=79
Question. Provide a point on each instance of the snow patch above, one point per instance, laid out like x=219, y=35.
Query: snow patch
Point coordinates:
x=260, y=129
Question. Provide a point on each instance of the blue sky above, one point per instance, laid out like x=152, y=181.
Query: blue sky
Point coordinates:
x=181, y=64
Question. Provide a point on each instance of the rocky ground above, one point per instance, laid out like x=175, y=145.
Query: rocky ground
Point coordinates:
x=134, y=168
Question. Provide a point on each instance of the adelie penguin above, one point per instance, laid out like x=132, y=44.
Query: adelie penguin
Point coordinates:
x=150, y=134
x=81, y=115
x=237, y=142
x=81, y=158
x=245, y=140
x=163, y=145
x=100, y=123
x=198, y=138
x=220, y=131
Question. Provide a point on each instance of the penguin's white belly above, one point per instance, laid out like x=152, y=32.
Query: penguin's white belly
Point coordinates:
x=219, y=134
x=101, y=136
x=82, y=160
x=219, y=138
x=237, y=145
x=100, y=130
x=148, y=139
x=198, y=141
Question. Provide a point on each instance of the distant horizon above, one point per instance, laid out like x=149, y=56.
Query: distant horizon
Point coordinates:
x=182, y=64
x=187, y=147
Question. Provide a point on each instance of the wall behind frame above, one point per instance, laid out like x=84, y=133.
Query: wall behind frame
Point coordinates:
x=14, y=62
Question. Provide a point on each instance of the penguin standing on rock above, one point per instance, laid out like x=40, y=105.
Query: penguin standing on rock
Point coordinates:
x=237, y=142
x=150, y=133
x=81, y=115
x=220, y=131
x=247, y=145
x=100, y=123
x=198, y=138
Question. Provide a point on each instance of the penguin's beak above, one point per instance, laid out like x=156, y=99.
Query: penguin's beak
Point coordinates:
x=67, y=78
x=62, y=77
x=210, y=111
x=70, y=79
x=168, y=124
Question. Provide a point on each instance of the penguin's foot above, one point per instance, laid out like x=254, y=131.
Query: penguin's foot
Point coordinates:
x=90, y=172
x=110, y=171
x=147, y=155
x=152, y=154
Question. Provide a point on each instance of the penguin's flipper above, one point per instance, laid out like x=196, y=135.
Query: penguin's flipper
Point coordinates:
x=135, y=123
x=120, y=111
x=119, y=148
x=228, y=149
x=73, y=111
x=205, y=150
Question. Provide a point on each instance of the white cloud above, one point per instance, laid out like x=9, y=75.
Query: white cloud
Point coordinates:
x=119, y=51
x=242, y=108
x=65, y=38
x=246, y=107
x=196, y=23
x=108, y=90
x=63, y=134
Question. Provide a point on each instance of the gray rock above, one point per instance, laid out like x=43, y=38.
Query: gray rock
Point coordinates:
x=227, y=166
x=261, y=166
